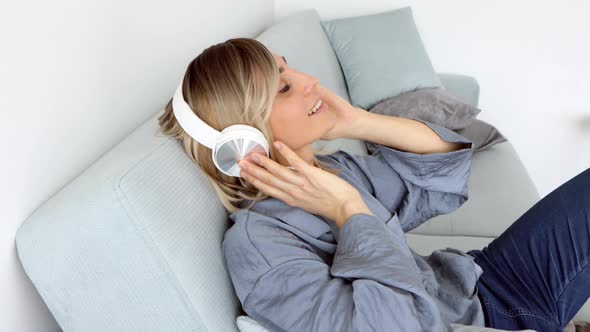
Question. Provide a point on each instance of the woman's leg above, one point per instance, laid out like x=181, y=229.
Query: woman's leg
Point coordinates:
x=537, y=273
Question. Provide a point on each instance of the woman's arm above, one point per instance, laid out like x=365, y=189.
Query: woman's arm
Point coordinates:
x=399, y=133
x=416, y=185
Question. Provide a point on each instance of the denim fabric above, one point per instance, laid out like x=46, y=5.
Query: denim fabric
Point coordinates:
x=536, y=273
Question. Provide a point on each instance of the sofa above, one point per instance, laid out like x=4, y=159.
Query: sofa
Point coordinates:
x=134, y=242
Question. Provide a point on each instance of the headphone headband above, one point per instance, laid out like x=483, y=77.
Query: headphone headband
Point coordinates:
x=191, y=123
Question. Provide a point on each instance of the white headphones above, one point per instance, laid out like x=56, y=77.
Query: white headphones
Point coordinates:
x=228, y=146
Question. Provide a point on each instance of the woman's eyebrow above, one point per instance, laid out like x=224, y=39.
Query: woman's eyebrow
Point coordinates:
x=281, y=69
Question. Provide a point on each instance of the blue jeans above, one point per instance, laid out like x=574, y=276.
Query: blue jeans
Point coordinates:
x=536, y=273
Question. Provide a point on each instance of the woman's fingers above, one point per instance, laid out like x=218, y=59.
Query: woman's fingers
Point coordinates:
x=266, y=181
x=275, y=168
x=273, y=178
x=262, y=186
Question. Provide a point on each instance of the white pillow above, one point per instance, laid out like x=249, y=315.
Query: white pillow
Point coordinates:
x=247, y=324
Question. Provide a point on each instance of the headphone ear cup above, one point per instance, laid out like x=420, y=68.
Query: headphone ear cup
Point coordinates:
x=235, y=142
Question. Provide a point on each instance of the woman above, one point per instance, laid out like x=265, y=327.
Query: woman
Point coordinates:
x=321, y=246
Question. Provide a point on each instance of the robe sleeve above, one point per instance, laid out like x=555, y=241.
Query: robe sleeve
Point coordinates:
x=433, y=184
x=372, y=283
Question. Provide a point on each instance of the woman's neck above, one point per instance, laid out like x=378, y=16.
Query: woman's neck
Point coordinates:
x=305, y=153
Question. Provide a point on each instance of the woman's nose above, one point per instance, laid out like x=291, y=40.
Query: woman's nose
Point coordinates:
x=312, y=82
x=307, y=81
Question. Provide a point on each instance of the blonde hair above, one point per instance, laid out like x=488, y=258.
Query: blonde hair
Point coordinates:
x=222, y=87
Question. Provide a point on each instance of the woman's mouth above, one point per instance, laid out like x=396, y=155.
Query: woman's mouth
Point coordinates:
x=323, y=107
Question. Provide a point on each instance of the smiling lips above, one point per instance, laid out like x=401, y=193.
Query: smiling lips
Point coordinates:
x=319, y=104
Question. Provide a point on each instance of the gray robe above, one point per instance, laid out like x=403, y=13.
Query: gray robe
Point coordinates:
x=296, y=271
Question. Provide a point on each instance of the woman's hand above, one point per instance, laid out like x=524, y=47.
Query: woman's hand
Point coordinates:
x=307, y=187
x=346, y=114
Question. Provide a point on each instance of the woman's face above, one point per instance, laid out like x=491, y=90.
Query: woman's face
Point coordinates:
x=295, y=98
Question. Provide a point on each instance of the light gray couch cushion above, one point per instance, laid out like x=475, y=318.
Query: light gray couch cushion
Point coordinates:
x=381, y=55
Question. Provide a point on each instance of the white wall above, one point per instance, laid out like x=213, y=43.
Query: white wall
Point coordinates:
x=530, y=57
x=66, y=71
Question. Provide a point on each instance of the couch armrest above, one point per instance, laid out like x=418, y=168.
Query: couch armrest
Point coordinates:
x=117, y=249
x=463, y=87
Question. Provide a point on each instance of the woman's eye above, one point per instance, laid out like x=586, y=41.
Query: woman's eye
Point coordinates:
x=285, y=89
